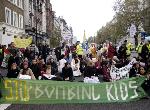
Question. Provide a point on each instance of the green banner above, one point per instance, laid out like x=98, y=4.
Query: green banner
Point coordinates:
x=51, y=92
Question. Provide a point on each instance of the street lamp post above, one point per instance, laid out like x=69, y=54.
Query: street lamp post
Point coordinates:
x=36, y=5
x=36, y=33
x=36, y=24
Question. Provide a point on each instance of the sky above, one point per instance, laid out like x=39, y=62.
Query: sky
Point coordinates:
x=88, y=15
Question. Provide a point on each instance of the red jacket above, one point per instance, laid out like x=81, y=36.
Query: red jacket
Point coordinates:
x=111, y=52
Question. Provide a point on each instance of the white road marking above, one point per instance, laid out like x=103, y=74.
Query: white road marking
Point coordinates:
x=4, y=106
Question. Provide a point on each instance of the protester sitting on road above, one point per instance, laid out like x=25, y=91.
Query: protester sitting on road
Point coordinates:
x=146, y=84
x=134, y=70
x=35, y=69
x=26, y=72
x=98, y=65
x=90, y=70
x=83, y=64
x=13, y=72
x=148, y=67
x=11, y=60
x=25, y=60
x=67, y=53
x=41, y=64
x=142, y=71
x=48, y=57
x=47, y=74
x=67, y=72
x=115, y=60
x=54, y=66
x=75, y=64
x=105, y=70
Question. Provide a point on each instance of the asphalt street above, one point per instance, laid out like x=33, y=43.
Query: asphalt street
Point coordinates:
x=143, y=104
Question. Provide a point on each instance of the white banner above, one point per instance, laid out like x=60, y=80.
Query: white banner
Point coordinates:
x=67, y=35
x=121, y=73
x=132, y=30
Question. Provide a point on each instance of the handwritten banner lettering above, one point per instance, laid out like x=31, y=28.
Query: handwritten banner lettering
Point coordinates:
x=49, y=92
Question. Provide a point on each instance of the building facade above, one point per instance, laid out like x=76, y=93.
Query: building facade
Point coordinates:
x=11, y=20
x=35, y=20
x=49, y=20
x=146, y=17
x=66, y=31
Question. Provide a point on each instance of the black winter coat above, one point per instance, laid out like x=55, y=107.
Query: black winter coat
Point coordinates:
x=13, y=73
x=89, y=71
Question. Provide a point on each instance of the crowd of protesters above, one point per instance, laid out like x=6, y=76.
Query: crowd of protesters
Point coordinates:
x=65, y=63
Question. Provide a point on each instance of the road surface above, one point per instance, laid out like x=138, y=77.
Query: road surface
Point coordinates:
x=143, y=104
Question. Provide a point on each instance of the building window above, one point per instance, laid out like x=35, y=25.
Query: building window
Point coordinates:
x=20, y=3
x=20, y=21
x=8, y=15
x=15, y=2
x=12, y=14
x=11, y=1
x=15, y=19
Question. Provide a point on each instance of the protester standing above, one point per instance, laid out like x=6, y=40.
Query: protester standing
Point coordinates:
x=111, y=51
x=79, y=49
x=122, y=51
x=145, y=52
x=58, y=53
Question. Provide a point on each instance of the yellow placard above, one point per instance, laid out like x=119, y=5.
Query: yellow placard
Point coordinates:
x=22, y=43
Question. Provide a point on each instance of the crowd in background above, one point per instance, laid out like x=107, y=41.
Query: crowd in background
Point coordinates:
x=65, y=63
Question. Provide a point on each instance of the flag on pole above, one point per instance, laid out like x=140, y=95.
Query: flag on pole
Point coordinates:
x=84, y=37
